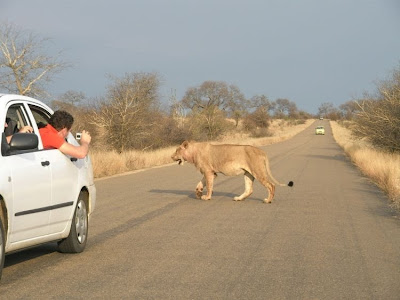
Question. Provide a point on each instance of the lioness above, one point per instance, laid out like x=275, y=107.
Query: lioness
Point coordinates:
x=230, y=160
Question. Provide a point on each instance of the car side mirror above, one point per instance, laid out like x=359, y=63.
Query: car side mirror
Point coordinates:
x=24, y=141
x=20, y=143
x=5, y=147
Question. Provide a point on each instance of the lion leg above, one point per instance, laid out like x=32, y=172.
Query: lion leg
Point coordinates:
x=200, y=187
x=209, y=178
x=248, y=187
x=271, y=189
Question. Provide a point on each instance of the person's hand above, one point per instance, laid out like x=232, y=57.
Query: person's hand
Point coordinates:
x=85, y=138
x=26, y=129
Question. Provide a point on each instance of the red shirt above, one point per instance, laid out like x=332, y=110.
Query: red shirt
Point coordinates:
x=50, y=137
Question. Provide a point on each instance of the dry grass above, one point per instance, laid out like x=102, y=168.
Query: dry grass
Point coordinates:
x=108, y=163
x=281, y=130
x=382, y=168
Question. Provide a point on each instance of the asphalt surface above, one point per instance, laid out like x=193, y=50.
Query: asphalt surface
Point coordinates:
x=332, y=236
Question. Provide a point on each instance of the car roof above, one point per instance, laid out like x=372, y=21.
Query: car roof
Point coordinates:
x=12, y=97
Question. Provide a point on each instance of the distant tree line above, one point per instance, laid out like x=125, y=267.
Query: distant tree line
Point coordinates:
x=129, y=116
x=374, y=117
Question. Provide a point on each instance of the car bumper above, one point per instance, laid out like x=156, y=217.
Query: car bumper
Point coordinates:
x=92, y=199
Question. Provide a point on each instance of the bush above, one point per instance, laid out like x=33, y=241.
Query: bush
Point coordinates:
x=378, y=118
x=171, y=134
x=260, y=132
x=206, y=127
x=257, y=123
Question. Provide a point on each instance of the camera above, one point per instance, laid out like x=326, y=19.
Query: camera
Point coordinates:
x=78, y=135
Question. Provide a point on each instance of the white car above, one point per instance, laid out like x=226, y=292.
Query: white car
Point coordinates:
x=320, y=130
x=45, y=195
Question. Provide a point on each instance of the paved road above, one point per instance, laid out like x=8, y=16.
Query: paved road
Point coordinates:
x=332, y=236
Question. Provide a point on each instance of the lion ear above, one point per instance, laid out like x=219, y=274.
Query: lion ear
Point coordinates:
x=185, y=144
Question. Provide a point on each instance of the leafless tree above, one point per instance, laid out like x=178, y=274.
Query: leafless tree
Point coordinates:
x=75, y=103
x=24, y=66
x=325, y=108
x=258, y=101
x=349, y=109
x=72, y=97
x=237, y=104
x=210, y=101
x=378, y=118
x=257, y=121
x=128, y=115
x=213, y=93
x=69, y=101
x=328, y=110
x=285, y=108
x=178, y=112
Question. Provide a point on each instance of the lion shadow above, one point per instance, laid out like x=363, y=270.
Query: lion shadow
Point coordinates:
x=192, y=194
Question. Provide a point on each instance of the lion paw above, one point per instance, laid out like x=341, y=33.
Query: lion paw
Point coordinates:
x=199, y=193
x=237, y=198
x=205, y=198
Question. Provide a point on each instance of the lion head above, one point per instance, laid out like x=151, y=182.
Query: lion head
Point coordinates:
x=180, y=153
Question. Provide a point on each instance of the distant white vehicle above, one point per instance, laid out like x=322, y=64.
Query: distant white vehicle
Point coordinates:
x=44, y=195
x=320, y=130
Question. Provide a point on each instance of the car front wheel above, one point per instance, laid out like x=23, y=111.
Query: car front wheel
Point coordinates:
x=76, y=240
x=2, y=247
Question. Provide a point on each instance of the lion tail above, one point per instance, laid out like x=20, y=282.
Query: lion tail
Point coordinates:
x=276, y=182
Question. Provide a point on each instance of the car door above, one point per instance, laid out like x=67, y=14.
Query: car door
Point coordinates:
x=64, y=178
x=30, y=180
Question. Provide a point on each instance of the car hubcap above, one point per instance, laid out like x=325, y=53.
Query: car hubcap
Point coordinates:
x=81, y=222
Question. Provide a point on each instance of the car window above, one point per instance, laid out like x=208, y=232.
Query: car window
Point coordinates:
x=16, y=118
x=41, y=116
x=17, y=114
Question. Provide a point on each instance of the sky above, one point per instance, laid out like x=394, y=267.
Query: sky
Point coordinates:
x=308, y=51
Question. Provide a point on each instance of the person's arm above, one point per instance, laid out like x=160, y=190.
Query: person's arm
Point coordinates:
x=25, y=129
x=77, y=151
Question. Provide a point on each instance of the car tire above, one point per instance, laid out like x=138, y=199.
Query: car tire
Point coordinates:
x=76, y=240
x=2, y=247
